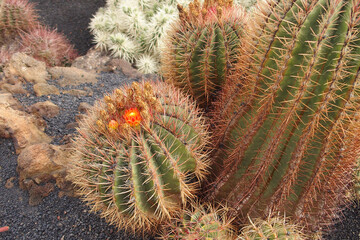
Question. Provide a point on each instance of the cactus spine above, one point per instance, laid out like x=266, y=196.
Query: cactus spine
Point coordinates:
x=202, y=222
x=288, y=143
x=274, y=228
x=203, y=48
x=16, y=16
x=139, y=155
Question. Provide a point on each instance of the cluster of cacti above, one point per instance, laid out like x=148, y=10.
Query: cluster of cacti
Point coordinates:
x=274, y=228
x=140, y=154
x=203, y=48
x=202, y=222
x=133, y=30
x=284, y=123
x=286, y=138
x=21, y=31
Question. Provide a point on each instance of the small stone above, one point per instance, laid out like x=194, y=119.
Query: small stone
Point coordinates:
x=8, y=99
x=94, y=61
x=28, y=68
x=14, y=89
x=125, y=67
x=72, y=76
x=45, y=109
x=75, y=92
x=84, y=107
x=41, y=89
x=10, y=183
x=24, y=128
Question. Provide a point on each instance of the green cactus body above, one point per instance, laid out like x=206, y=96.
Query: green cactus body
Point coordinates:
x=16, y=16
x=274, y=228
x=286, y=135
x=203, y=48
x=140, y=154
x=203, y=222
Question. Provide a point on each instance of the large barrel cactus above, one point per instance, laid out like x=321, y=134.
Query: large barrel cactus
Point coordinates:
x=140, y=154
x=286, y=131
x=203, y=48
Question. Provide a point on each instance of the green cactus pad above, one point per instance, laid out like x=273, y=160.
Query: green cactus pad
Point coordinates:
x=140, y=154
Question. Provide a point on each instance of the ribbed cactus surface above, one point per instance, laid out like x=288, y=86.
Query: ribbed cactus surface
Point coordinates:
x=202, y=222
x=203, y=47
x=274, y=228
x=16, y=16
x=286, y=130
x=140, y=154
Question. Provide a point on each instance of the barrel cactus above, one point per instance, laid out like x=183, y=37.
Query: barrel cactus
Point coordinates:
x=274, y=228
x=16, y=16
x=286, y=130
x=140, y=154
x=202, y=222
x=203, y=48
x=48, y=46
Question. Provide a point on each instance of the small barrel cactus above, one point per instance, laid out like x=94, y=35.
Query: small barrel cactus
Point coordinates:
x=203, y=48
x=202, y=222
x=140, y=154
x=286, y=131
x=48, y=46
x=274, y=228
x=16, y=16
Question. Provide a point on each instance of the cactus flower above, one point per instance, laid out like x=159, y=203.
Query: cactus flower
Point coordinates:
x=132, y=117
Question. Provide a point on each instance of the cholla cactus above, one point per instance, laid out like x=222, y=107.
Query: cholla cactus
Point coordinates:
x=140, y=154
x=274, y=228
x=202, y=222
x=133, y=30
x=48, y=46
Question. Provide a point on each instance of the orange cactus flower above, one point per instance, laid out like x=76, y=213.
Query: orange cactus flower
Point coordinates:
x=113, y=124
x=132, y=117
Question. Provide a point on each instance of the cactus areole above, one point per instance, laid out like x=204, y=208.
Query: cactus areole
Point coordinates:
x=291, y=142
x=140, y=154
x=203, y=47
